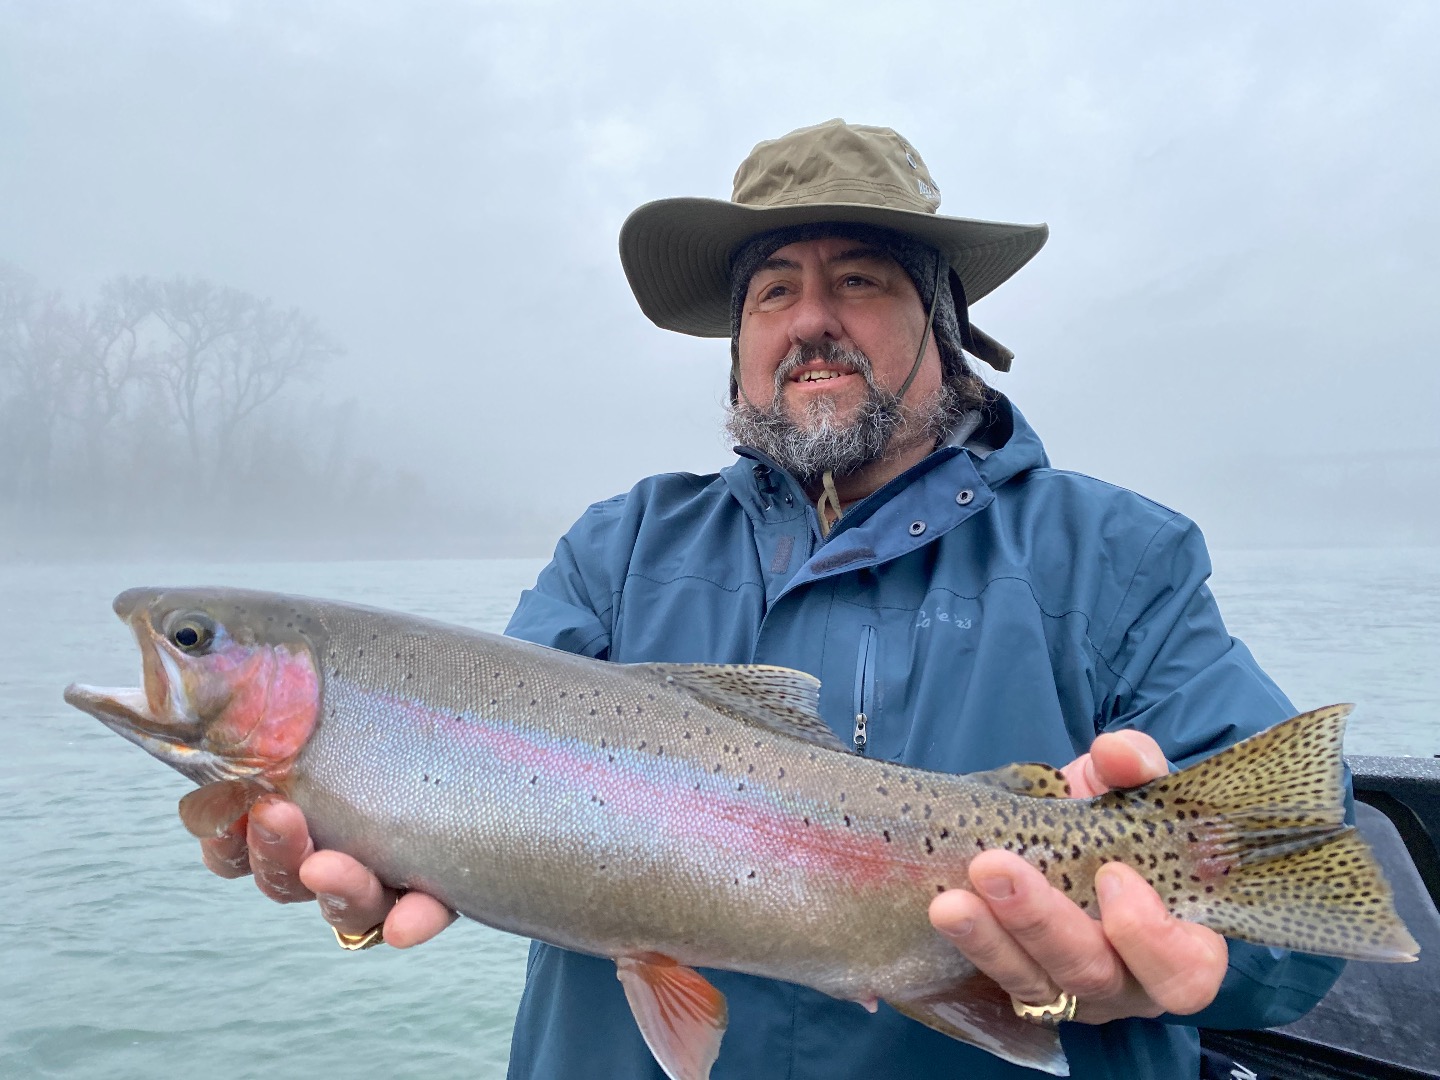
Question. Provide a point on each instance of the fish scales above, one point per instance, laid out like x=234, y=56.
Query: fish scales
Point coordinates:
x=703, y=817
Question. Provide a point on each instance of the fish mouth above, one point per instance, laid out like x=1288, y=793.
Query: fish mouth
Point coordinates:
x=125, y=710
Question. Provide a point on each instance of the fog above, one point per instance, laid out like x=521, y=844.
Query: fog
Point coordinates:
x=1235, y=313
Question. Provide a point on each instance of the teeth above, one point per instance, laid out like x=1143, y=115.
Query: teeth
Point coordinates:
x=816, y=376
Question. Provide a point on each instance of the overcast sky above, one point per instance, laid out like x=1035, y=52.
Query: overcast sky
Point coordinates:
x=1235, y=313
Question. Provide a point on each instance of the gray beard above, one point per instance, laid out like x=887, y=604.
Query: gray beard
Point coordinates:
x=819, y=443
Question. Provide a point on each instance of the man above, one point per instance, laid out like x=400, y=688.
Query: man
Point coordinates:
x=892, y=526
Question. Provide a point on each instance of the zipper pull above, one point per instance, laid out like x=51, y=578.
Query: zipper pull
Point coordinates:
x=859, y=738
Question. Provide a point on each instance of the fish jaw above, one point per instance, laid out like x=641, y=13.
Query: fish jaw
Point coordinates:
x=125, y=711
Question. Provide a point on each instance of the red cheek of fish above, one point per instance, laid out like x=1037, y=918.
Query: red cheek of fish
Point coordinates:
x=272, y=707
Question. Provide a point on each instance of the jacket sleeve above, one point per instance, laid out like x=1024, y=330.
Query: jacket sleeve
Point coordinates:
x=1178, y=675
x=571, y=603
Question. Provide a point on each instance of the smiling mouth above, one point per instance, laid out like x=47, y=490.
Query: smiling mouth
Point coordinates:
x=820, y=375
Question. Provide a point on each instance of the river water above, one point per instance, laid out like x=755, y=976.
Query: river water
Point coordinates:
x=125, y=959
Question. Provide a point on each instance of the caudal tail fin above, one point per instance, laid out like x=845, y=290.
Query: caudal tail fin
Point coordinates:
x=1270, y=859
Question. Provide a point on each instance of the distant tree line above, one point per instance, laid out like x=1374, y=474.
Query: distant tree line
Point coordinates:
x=168, y=401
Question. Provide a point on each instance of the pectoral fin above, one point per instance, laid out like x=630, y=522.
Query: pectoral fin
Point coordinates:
x=978, y=1012
x=680, y=1014
x=208, y=811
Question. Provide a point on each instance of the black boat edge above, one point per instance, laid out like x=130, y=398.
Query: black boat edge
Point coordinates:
x=1380, y=1021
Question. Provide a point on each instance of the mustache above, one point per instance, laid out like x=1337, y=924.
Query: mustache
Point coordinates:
x=831, y=352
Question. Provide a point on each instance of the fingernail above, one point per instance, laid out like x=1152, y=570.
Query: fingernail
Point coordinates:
x=1155, y=762
x=331, y=904
x=996, y=888
x=1107, y=885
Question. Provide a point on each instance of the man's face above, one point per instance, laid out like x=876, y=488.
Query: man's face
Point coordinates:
x=828, y=335
x=832, y=292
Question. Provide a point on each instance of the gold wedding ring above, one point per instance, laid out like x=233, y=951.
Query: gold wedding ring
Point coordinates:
x=372, y=937
x=1059, y=1010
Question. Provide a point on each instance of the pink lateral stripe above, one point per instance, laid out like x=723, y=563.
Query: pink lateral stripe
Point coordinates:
x=656, y=795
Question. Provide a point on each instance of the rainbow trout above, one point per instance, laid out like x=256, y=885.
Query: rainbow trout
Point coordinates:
x=675, y=816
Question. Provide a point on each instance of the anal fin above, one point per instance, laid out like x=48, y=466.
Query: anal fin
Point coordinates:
x=978, y=1012
x=681, y=1016
x=208, y=811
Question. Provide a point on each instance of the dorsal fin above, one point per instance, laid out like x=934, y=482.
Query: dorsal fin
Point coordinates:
x=780, y=700
x=1032, y=778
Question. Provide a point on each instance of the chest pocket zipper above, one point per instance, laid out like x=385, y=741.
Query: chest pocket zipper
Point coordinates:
x=864, y=688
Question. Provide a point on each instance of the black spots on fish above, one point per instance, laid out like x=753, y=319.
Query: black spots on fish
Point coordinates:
x=959, y=822
x=905, y=808
x=708, y=730
x=944, y=834
x=750, y=768
x=780, y=775
x=926, y=811
x=564, y=693
x=592, y=712
x=751, y=874
x=687, y=735
x=643, y=743
x=1075, y=852
x=619, y=710
x=980, y=842
x=610, y=758
x=649, y=697
x=807, y=822
x=842, y=796
x=881, y=789
x=685, y=715
x=885, y=833
x=939, y=888
x=426, y=778
x=929, y=846
x=740, y=786
x=1066, y=883
x=602, y=866
x=757, y=744
x=603, y=743
x=659, y=751
x=717, y=767
x=847, y=821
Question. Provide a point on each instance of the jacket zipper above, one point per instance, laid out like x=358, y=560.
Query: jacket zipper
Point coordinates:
x=864, y=688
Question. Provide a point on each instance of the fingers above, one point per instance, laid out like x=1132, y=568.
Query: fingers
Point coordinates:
x=415, y=919
x=1117, y=759
x=279, y=842
x=227, y=854
x=351, y=897
x=1180, y=965
x=1029, y=937
x=353, y=900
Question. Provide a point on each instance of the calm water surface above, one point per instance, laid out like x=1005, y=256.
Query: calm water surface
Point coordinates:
x=124, y=959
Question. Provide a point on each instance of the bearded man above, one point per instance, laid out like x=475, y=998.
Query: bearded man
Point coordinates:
x=892, y=526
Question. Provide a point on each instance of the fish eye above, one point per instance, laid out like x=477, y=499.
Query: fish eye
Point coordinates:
x=192, y=632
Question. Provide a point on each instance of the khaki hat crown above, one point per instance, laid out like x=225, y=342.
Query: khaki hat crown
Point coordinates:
x=836, y=162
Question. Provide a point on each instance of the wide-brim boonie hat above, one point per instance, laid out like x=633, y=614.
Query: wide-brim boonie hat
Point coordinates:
x=677, y=252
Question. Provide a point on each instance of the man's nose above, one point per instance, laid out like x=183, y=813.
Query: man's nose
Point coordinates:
x=814, y=319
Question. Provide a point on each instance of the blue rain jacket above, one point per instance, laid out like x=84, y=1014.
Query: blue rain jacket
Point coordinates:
x=981, y=609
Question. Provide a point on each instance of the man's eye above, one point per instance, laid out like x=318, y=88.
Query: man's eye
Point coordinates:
x=770, y=292
x=854, y=281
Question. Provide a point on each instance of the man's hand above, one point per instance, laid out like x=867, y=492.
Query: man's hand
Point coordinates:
x=274, y=844
x=1138, y=960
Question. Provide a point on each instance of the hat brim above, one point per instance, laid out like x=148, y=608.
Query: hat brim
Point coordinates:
x=676, y=252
